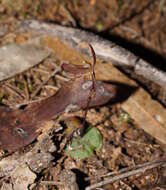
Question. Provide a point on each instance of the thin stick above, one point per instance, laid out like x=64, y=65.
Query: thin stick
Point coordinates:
x=124, y=170
x=44, y=82
x=127, y=174
x=51, y=183
x=62, y=78
x=51, y=87
x=135, y=142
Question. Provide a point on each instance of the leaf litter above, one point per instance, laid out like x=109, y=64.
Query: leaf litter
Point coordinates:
x=123, y=145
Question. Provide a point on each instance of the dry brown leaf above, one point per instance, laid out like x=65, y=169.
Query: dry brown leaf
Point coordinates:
x=23, y=126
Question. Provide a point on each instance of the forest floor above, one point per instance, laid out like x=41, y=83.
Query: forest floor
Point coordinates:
x=124, y=145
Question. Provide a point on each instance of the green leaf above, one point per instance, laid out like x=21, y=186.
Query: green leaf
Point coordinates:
x=81, y=148
x=94, y=138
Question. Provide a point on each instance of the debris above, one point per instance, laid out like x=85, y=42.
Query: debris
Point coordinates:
x=22, y=177
x=147, y=113
x=150, y=165
x=18, y=58
x=38, y=158
x=67, y=181
x=6, y=186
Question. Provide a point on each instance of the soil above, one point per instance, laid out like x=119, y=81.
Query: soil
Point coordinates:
x=124, y=145
x=140, y=22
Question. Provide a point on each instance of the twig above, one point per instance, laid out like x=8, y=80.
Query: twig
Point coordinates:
x=51, y=87
x=44, y=82
x=135, y=142
x=61, y=78
x=51, y=183
x=124, y=170
x=127, y=174
x=126, y=186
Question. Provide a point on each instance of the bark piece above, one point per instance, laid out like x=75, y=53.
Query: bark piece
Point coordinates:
x=106, y=50
x=149, y=115
x=18, y=58
x=6, y=186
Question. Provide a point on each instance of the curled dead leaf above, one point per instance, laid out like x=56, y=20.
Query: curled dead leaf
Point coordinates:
x=19, y=128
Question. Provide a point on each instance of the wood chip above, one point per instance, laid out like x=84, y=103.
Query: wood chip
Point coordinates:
x=18, y=58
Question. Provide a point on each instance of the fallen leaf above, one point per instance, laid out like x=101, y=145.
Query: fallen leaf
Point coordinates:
x=23, y=126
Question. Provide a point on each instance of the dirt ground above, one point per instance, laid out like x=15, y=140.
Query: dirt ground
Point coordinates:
x=123, y=143
x=141, y=22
